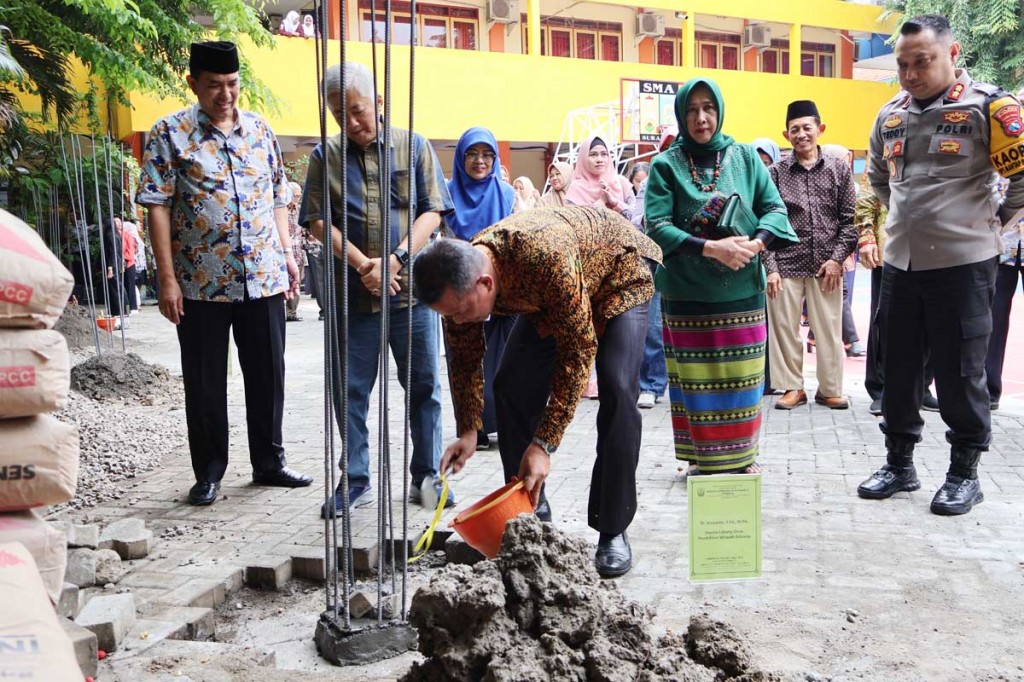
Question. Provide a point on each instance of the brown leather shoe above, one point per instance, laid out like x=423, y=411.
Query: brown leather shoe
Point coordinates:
x=837, y=403
x=791, y=399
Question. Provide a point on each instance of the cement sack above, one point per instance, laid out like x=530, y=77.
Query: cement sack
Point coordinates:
x=47, y=544
x=34, y=372
x=34, y=286
x=38, y=462
x=33, y=645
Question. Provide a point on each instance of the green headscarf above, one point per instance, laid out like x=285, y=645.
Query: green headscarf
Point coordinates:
x=718, y=141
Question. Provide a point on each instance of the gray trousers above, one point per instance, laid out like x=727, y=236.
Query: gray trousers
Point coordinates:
x=521, y=390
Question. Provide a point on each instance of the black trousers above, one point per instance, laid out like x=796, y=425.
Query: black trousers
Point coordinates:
x=258, y=329
x=496, y=333
x=131, y=277
x=873, y=373
x=315, y=268
x=1006, y=284
x=943, y=318
x=115, y=295
x=521, y=390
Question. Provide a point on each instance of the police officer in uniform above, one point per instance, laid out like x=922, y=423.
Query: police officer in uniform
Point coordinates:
x=937, y=149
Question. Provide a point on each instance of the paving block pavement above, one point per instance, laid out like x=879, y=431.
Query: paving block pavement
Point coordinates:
x=85, y=645
x=109, y=617
x=269, y=574
x=825, y=550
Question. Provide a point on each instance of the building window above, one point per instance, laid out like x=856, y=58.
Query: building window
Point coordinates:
x=668, y=51
x=436, y=25
x=577, y=38
x=775, y=59
x=718, y=51
x=816, y=59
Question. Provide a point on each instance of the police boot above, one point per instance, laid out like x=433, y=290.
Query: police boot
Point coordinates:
x=896, y=475
x=961, y=491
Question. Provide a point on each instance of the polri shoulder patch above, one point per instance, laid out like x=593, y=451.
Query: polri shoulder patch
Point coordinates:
x=1006, y=148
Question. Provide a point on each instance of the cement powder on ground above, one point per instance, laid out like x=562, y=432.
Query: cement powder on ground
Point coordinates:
x=114, y=376
x=540, y=612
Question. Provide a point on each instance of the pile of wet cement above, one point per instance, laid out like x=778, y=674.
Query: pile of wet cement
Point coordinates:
x=127, y=378
x=541, y=612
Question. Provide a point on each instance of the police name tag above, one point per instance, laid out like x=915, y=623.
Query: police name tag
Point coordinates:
x=724, y=524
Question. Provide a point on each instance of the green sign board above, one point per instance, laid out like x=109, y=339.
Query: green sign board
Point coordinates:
x=724, y=527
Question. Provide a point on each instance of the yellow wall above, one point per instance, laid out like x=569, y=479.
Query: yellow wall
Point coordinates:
x=525, y=98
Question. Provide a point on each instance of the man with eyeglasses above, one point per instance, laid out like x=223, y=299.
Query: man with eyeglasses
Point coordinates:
x=364, y=269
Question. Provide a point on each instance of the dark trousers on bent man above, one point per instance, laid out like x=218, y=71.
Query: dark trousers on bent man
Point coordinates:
x=522, y=388
x=1006, y=285
x=258, y=329
x=874, y=374
x=941, y=317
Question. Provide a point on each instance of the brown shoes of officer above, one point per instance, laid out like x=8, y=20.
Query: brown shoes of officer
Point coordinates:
x=837, y=403
x=791, y=399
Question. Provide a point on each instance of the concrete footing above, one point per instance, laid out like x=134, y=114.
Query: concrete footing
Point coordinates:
x=365, y=642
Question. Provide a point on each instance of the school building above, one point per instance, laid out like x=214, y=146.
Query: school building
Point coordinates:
x=540, y=72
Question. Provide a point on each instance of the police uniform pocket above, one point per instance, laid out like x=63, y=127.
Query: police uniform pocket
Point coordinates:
x=974, y=333
x=400, y=188
x=949, y=156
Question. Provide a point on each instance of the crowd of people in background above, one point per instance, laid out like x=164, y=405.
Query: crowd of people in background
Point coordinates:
x=691, y=271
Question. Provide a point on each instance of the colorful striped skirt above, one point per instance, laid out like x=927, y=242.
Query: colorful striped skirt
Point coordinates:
x=715, y=358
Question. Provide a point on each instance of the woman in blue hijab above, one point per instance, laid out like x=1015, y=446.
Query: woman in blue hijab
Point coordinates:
x=767, y=150
x=482, y=199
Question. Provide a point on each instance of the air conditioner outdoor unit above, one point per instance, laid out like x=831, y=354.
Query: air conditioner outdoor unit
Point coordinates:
x=503, y=11
x=757, y=36
x=650, y=25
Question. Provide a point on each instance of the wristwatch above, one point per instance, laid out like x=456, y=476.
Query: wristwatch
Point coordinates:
x=544, y=445
x=402, y=255
x=287, y=251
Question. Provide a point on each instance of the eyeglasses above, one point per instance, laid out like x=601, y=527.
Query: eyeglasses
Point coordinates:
x=480, y=156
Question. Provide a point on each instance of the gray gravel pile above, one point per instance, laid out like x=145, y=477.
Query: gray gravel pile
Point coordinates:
x=119, y=443
x=126, y=377
x=76, y=325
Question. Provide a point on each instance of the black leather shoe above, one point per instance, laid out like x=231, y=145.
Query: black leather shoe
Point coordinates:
x=282, y=478
x=614, y=556
x=876, y=407
x=203, y=493
x=957, y=496
x=543, y=510
x=483, y=441
x=993, y=405
x=888, y=481
x=929, y=403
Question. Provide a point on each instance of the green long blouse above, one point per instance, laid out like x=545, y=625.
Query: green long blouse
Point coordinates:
x=672, y=202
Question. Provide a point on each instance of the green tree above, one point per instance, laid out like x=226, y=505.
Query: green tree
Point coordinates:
x=990, y=31
x=126, y=45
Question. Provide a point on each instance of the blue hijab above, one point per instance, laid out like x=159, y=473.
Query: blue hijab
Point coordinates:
x=478, y=203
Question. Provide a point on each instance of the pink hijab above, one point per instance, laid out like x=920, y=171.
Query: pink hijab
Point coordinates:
x=585, y=189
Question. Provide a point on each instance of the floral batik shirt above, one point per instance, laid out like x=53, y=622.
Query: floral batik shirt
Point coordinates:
x=567, y=271
x=222, y=191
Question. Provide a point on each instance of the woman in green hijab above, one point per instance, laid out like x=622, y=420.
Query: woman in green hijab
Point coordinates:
x=712, y=285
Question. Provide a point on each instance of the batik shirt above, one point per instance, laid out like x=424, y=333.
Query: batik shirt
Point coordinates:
x=222, y=191
x=568, y=271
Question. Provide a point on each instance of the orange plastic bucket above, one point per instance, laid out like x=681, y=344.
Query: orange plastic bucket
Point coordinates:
x=106, y=323
x=483, y=524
